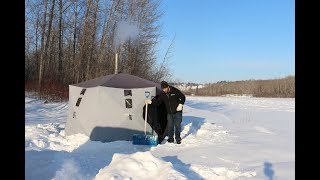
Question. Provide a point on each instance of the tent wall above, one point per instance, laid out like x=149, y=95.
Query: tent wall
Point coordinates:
x=102, y=112
x=76, y=122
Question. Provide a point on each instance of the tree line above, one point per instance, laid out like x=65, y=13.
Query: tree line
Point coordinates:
x=70, y=41
x=281, y=87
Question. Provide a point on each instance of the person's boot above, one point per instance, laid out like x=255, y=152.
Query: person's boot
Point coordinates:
x=160, y=139
x=170, y=140
x=178, y=141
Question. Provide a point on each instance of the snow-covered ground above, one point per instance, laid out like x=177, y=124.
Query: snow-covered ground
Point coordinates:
x=222, y=138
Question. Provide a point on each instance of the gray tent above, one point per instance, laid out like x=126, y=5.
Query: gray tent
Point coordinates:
x=110, y=108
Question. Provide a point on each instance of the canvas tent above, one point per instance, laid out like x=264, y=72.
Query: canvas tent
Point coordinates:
x=111, y=108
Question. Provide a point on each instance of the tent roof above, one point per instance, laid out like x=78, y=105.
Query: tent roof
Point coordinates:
x=120, y=80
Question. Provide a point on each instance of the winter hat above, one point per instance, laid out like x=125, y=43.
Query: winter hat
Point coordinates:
x=164, y=84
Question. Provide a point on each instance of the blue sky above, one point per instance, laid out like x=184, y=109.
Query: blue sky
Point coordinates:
x=229, y=40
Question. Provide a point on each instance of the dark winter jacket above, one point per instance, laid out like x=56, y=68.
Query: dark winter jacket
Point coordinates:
x=171, y=99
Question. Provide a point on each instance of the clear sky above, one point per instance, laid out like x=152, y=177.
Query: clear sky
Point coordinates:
x=229, y=40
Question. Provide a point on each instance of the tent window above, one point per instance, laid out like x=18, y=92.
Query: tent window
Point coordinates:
x=83, y=91
x=127, y=93
x=128, y=103
x=78, y=101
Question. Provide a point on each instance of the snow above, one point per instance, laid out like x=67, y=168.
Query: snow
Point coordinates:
x=139, y=165
x=231, y=137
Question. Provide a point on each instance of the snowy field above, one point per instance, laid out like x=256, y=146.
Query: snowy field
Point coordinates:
x=222, y=138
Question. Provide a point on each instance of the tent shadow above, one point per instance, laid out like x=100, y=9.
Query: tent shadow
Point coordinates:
x=182, y=167
x=83, y=162
x=109, y=134
x=196, y=123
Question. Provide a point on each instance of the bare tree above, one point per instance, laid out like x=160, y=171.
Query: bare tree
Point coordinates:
x=60, y=42
x=69, y=41
x=280, y=87
x=92, y=42
x=163, y=70
x=42, y=58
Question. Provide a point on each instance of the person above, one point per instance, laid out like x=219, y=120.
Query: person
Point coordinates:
x=174, y=100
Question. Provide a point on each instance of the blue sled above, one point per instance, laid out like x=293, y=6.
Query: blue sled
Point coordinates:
x=141, y=139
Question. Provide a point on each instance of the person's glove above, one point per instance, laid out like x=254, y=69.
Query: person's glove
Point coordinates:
x=180, y=107
x=147, y=101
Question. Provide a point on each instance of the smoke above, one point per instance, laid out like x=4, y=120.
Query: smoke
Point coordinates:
x=125, y=31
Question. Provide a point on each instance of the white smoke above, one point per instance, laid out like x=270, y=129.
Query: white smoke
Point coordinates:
x=125, y=31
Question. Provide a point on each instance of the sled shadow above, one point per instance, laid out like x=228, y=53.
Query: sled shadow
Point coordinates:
x=268, y=171
x=83, y=162
x=182, y=167
x=196, y=123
